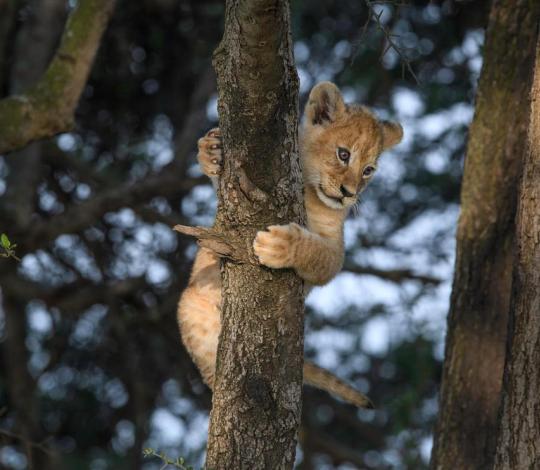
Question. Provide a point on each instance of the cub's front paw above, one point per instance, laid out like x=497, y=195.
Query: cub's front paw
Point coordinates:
x=276, y=247
x=210, y=153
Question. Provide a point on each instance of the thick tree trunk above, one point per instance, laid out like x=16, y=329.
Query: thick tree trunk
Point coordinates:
x=258, y=383
x=477, y=325
x=519, y=432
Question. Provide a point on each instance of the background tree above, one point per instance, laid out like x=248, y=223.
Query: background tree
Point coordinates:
x=518, y=436
x=480, y=303
x=101, y=270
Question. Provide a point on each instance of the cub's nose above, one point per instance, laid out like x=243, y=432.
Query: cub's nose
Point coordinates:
x=346, y=192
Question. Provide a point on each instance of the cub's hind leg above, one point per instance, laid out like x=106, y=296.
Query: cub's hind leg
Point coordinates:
x=199, y=313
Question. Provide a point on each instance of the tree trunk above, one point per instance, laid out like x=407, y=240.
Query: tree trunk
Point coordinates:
x=258, y=382
x=519, y=432
x=38, y=34
x=477, y=324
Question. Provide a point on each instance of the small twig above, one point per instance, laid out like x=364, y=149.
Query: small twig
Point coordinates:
x=361, y=37
x=176, y=463
x=389, y=38
x=391, y=44
x=365, y=27
x=217, y=242
x=8, y=248
x=25, y=441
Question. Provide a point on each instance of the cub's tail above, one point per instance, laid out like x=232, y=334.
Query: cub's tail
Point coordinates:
x=321, y=378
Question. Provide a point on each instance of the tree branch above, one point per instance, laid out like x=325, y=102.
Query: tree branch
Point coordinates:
x=47, y=108
x=324, y=443
x=393, y=275
x=26, y=442
x=83, y=215
x=219, y=243
x=170, y=181
x=74, y=297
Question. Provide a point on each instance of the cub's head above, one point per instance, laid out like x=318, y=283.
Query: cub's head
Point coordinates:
x=340, y=146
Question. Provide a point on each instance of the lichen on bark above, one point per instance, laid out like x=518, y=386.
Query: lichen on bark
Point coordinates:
x=47, y=108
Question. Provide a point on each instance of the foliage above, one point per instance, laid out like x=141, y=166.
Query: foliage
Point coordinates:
x=7, y=247
x=176, y=463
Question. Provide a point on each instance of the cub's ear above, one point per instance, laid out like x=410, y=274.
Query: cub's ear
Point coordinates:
x=325, y=104
x=392, y=133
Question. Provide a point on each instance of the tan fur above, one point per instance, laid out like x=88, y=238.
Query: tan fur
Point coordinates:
x=315, y=252
x=321, y=378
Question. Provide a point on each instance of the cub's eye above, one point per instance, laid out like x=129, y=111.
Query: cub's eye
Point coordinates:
x=343, y=154
x=368, y=171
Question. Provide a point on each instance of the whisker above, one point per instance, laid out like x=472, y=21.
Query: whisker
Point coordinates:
x=356, y=208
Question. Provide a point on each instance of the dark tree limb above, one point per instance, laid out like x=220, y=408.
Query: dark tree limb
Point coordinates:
x=47, y=108
x=80, y=216
x=326, y=444
x=76, y=296
x=169, y=182
x=258, y=381
x=393, y=275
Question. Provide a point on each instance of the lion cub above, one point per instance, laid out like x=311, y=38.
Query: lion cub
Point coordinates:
x=339, y=147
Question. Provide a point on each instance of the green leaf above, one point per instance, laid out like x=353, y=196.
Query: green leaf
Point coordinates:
x=4, y=240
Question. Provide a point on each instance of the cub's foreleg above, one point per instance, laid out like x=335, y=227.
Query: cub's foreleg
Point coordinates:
x=316, y=259
x=209, y=155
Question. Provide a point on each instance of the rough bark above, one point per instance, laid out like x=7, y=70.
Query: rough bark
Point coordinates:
x=47, y=108
x=477, y=324
x=519, y=432
x=258, y=384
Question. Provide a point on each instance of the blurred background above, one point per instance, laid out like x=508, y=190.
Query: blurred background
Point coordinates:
x=92, y=370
